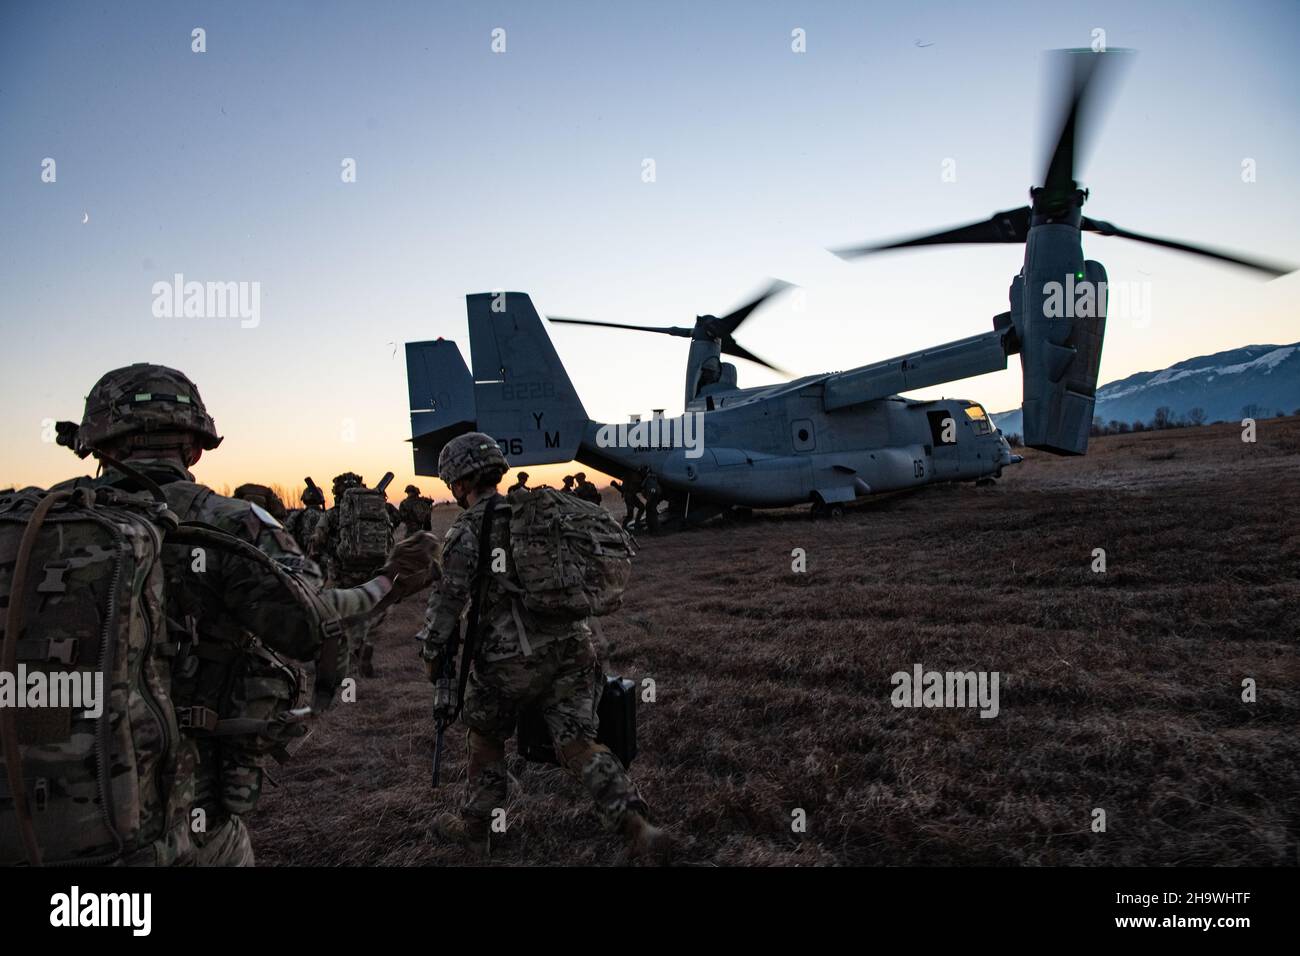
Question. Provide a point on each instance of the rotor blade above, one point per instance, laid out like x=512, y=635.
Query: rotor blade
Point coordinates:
x=1109, y=229
x=1010, y=225
x=731, y=347
x=665, y=329
x=1083, y=68
x=732, y=320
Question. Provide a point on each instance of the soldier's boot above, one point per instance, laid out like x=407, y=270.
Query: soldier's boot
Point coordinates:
x=226, y=844
x=468, y=832
x=618, y=802
x=487, y=792
x=647, y=842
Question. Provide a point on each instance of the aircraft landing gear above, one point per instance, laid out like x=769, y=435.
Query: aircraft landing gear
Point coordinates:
x=821, y=509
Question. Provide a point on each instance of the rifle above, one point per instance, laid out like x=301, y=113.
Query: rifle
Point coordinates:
x=442, y=686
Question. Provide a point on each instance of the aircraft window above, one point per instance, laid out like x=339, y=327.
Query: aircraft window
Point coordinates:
x=979, y=419
x=803, y=434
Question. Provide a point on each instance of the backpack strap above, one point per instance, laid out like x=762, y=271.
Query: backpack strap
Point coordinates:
x=479, y=596
x=188, y=496
x=524, y=645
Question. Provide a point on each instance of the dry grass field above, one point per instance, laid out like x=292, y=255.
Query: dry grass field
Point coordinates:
x=1119, y=690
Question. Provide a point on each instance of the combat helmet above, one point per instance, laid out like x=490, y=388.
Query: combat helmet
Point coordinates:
x=468, y=454
x=313, y=496
x=264, y=497
x=349, y=479
x=142, y=403
x=412, y=490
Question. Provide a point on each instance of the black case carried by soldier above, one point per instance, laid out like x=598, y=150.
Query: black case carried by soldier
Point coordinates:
x=617, y=725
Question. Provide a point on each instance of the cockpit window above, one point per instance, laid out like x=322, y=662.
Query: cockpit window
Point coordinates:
x=979, y=419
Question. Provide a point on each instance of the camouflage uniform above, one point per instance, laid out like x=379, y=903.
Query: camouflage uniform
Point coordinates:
x=302, y=524
x=217, y=601
x=519, y=660
x=325, y=543
x=414, y=511
x=633, y=506
x=650, y=487
x=585, y=489
x=212, y=618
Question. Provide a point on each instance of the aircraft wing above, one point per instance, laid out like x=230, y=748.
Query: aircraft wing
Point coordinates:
x=951, y=362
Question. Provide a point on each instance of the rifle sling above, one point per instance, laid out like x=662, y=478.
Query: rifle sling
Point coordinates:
x=479, y=596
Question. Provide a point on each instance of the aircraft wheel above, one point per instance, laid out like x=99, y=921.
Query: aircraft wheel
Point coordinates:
x=835, y=511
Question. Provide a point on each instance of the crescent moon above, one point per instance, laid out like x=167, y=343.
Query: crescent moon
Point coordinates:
x=85, y=218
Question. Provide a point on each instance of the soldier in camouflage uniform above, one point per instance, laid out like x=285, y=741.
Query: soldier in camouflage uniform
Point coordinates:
x=414, y=512
x=518, y=660
x=521, y=483
x=633, y=506
x=653, y=495
x=325, y=545
x=228, y=614
x=585, y=489
x=302, y=522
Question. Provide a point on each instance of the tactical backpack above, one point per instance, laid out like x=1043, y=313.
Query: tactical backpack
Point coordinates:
x=422, y=509
x=83, y=587
x=571, y=558
x=365, y=533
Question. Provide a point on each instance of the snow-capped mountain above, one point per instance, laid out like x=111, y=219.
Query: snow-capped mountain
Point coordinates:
x=1222, y=385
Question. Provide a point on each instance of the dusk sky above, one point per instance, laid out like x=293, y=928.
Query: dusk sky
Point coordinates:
x=523, y=170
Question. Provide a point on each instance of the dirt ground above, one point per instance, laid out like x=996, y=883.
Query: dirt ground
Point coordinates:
x=1119, y=691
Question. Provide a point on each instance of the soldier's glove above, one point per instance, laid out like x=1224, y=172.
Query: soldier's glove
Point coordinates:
x=413, y=564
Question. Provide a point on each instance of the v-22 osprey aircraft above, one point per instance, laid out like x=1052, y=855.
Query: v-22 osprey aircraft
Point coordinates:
x=823, y=439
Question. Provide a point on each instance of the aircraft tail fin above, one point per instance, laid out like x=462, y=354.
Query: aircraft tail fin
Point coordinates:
x=523, y=394
x=519, y=393
x=441, y=393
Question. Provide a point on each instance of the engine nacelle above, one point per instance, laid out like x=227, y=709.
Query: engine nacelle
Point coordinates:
x=1058, y=307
